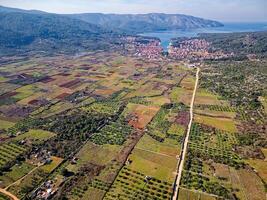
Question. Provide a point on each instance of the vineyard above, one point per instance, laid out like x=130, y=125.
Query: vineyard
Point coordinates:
x=215, y=145
x=163, y=127
x=9, y=153
x=197, y=181
x=243, y=115
x=114, y=133
x=133, y=184
x=104, y=108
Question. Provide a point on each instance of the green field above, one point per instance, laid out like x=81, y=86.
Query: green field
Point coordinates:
x=37, y=135
x=225, y=124
x=6, y=124
x=96, y=154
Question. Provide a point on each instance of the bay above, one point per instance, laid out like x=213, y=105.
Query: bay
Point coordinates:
x=166, y=36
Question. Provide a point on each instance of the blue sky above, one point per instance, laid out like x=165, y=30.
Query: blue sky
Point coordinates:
x=222, y=10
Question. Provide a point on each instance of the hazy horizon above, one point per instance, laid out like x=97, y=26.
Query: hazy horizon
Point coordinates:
x=220, y=10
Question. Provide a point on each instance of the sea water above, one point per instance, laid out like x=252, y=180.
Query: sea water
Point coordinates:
x=166, y=36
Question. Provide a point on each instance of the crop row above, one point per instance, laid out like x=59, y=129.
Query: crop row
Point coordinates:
x=132, y=184
x=199, y=182
x=243, y=115
x=114, y=133
x=216, y=138
x=105, y=107
x=218, y=108
x=9, y=153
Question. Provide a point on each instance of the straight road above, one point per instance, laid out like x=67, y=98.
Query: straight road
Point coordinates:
x=185, y=143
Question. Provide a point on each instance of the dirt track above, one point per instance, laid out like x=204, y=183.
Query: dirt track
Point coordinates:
x=8, y=194
x=185, y=144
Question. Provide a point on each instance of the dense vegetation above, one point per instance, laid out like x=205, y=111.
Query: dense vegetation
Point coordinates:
x=50, y=33
x=246, y=81
x=239, y=43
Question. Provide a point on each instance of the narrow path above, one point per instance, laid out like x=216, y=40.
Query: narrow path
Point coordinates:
x=4, y=191
x=185, y=143
x=17, y=181
x=8, y=194
x=161, y=154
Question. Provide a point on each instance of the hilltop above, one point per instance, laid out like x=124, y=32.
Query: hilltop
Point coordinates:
x=33, y=30
x=25, y=31
x=151, y=22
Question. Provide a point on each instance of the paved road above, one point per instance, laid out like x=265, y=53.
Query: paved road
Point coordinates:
x=8, y=194
x=185, y=144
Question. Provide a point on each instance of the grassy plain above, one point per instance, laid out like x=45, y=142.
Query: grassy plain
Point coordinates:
x=6, y=124
x=15, y=173
x=260, y=167
x=35, y=135
x=96, y=154
x=186, y=194
x=217, y=122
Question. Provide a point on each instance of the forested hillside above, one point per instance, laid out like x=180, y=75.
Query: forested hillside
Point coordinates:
x=49, y=32
x=239, y=43
x=140, y=23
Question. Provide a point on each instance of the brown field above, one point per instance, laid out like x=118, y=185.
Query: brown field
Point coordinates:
x=204, y=97
x=212, y=113
x=222, y=171
x=29, y=99
x=56, y=91
x=62, y=96
x=143, y=114
x=95, y=154
x=159, y=101
x=260, y=166
x=148, y=89
x=70, y=84
x=57, y=80
x=185, y=194
x=104, y=92
x=47, y=80
x=8, y=94
x=188, y=83
x=264, y=151
x=252, y=185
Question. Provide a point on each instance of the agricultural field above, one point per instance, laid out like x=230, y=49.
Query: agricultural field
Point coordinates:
x=16, y=172
x=79, y=120
x=35, y=136
x=9, y=154
x=220, y=163
x=107, y=126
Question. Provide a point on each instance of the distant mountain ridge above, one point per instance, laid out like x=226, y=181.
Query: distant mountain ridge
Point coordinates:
x=10, y=10
x=134, y=23
x=146, y=22
x=33, y=30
